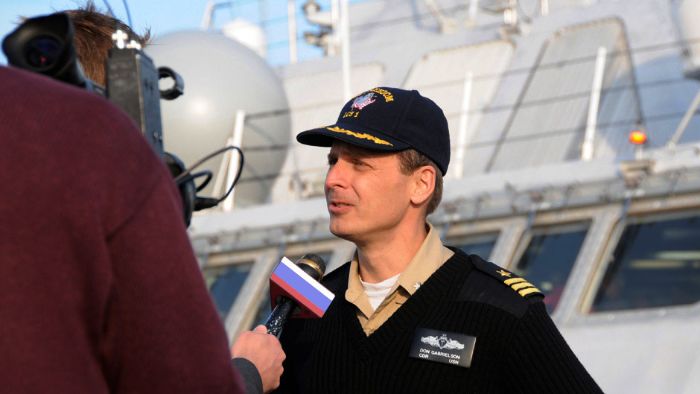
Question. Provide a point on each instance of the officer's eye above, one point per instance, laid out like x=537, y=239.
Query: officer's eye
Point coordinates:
x=361, y=164
x=332, y=159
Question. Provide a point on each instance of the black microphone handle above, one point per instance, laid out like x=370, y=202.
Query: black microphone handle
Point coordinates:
x=275, y=322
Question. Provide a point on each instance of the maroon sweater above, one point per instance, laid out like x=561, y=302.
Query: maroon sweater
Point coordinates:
x=99, y=288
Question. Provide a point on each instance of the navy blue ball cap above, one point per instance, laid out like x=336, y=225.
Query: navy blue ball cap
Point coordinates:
x=389, y=120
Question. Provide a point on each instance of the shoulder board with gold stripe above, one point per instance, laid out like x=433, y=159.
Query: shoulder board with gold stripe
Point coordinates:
x=518, y=284
x=523, y=287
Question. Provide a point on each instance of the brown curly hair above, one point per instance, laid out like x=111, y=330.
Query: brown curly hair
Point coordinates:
x=93, y=38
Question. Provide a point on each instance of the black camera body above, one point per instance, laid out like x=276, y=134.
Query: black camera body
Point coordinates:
x=45, y=45
x=132, y=84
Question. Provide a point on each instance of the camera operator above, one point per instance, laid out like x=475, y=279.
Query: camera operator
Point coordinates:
x=103, y=278
x=257, y=356
x=99, y=289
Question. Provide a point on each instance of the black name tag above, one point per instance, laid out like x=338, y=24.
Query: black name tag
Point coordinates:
x=443, y=347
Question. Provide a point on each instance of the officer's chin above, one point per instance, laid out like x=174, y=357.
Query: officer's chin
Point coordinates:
x=336, y=229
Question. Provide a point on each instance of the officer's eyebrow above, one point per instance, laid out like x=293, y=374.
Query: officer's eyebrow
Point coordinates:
x=332, y=157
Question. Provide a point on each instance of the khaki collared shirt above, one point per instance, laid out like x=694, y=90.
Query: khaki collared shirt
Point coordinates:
x=431, y=255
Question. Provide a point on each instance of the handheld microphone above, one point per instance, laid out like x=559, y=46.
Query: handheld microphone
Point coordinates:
x=312, y=265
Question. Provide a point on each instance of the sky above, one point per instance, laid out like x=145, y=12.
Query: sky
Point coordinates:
x=163, y=16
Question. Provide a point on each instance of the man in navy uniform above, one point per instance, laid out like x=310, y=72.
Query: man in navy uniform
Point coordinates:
x=410, y=314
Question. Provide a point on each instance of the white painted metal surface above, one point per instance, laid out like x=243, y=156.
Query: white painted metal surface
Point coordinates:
x=593, y=103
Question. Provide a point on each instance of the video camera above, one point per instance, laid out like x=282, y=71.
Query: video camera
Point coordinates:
x=44, y=45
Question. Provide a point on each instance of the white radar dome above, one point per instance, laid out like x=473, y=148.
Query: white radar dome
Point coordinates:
x=248, y=34
x=221, y=77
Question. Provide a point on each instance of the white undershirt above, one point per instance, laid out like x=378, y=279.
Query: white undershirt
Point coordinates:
x=377, y=292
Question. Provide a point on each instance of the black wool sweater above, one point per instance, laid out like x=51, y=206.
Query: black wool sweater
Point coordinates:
x=517, y=349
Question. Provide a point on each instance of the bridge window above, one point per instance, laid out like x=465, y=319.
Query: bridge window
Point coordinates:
x=549, y=257
x=480, y=244
x=225, y=283
x=655, y=264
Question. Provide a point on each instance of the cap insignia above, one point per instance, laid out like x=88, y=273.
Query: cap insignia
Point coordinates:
x=388, y=97
x=363, y=101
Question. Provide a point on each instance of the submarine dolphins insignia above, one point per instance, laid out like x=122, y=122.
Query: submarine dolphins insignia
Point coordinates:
x=442, y=342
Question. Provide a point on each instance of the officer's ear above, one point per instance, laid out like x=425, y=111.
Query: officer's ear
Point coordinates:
x=423, y=182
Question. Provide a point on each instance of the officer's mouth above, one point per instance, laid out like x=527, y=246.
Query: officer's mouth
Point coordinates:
x=338, y=207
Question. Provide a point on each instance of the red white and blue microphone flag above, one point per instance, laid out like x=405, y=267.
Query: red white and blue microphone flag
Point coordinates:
x=288, y=280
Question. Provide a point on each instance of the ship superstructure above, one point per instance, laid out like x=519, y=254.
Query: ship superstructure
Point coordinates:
x=545, y=177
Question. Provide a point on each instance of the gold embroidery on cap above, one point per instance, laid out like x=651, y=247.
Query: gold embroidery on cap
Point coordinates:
x=388, y=97
x=363, y=136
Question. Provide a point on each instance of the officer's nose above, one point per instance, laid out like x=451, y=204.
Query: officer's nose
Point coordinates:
x=336, y=175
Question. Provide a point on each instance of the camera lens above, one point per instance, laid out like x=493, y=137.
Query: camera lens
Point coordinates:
x=43, y=52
